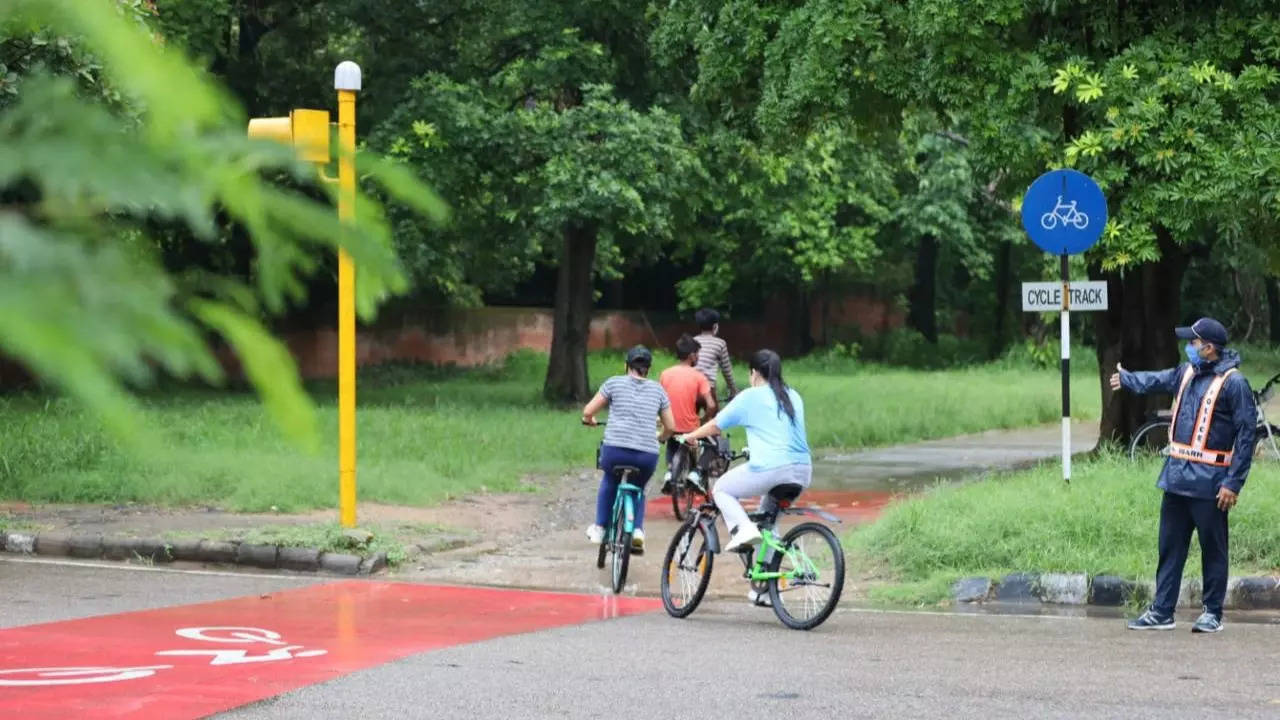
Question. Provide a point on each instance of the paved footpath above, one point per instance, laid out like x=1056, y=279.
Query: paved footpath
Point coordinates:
x=266, y=646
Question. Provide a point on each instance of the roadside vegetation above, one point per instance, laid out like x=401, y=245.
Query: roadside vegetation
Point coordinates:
x=426, y=435
x=1104, y=522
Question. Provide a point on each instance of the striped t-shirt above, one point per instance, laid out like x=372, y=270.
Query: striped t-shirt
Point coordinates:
x=714, y=353
x=634, y=405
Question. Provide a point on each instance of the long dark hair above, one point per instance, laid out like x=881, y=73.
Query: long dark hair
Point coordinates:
x=769, y=365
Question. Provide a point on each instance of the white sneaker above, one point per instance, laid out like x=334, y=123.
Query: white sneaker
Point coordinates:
x=595, y=534
x=742, y=537
x=637, y=541
x=759, y=599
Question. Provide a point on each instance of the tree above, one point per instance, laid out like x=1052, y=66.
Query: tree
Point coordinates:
x=545, y=164
x=1174, y=113
x=587, y=187
x=786, y=220
x=84, y=302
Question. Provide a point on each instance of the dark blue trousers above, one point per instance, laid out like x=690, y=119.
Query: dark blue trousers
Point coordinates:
x=611, y=457
x=1179, y=515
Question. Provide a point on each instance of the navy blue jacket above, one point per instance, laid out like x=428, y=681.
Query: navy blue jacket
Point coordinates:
x=1234, y=425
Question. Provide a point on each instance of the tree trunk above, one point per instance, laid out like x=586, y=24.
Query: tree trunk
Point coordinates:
x=1273, y=308
x=801, y=337
x=923, y=315
x=1004, y=281
x=567, y=371
x=1137, y=331
x=244, y=72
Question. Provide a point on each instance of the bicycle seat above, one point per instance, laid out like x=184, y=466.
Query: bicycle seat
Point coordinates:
x=621, y=470
x=786, y=492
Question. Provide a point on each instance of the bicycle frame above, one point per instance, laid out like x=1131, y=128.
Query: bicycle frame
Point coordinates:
x=626, y=497
x=769, y=542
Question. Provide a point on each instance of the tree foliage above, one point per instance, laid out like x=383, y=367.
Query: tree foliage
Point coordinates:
x=84, y=301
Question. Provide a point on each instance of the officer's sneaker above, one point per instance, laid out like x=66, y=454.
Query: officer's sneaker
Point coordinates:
x=1150, y=620
x=1207, y=623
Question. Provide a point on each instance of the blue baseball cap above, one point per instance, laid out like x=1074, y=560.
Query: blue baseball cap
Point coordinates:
x=1207, y=329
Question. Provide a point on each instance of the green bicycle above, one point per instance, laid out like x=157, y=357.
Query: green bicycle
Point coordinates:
x=803, y=573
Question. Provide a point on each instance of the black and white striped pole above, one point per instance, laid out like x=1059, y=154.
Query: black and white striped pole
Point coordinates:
x=1064, y=213
x=1066, y=371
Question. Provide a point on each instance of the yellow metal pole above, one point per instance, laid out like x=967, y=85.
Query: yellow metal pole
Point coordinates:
x=347, y=83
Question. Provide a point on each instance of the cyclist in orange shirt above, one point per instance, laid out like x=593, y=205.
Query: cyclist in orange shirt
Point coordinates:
x=687, y=388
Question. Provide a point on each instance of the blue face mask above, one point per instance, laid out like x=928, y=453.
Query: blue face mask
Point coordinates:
x=1193, y=355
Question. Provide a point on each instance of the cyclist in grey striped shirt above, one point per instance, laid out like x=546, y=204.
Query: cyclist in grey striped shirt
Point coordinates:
x=635, y=405
x=713, y=352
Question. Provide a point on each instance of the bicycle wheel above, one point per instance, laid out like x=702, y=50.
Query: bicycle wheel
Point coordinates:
x=686, y=570
x=813, y=568
x=1151, y=440
x=621, y=548
x=1265, y=443
x=679, y=486
x=604, y=549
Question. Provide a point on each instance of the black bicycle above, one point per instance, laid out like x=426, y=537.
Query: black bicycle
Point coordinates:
x=1152, y=439
x=695, y=468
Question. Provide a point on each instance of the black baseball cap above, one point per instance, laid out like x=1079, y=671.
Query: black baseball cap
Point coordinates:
x=1207, y=329
x=639, y=356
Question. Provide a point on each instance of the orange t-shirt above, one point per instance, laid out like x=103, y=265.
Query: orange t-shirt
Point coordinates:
x=684, y=384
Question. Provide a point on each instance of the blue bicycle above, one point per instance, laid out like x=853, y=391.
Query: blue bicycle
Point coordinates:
x=621, y=526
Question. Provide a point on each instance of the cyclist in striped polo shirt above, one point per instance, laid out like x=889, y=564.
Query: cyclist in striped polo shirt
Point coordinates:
x=713, y=352
x=630, y=438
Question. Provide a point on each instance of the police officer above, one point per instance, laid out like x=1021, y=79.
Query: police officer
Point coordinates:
x=1210, y=451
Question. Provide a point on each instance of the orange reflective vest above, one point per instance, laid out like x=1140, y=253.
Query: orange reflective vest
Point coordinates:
x=1196, y=450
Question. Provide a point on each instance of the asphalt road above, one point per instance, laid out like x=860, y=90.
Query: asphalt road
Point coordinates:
x=733, y=661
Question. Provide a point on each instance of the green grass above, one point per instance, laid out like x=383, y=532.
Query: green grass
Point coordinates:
x=427, y=435
x=1105, y=522
x=851, y=405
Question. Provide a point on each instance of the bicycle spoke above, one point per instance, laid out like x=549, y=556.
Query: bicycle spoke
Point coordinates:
x=808, y=567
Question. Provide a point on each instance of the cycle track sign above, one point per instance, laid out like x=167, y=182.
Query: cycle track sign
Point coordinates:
x=1064, y=212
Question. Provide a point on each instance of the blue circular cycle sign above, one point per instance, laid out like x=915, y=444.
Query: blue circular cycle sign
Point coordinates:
x=1064, y=212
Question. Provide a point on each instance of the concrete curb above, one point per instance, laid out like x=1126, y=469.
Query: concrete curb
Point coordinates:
x=1243, y=593
x=155, y=550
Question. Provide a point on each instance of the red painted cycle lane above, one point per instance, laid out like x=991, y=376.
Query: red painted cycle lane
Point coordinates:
x=190, y=661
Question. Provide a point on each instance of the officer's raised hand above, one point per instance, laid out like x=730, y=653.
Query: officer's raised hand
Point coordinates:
x=1115, y=378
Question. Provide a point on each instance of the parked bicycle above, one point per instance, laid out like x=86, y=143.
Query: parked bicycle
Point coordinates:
x=1152, y=439
x=803, y=573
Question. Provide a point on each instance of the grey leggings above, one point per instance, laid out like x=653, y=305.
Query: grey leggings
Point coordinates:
x=742, y=482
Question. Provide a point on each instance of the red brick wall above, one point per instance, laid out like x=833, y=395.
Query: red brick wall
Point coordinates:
x=482, y=335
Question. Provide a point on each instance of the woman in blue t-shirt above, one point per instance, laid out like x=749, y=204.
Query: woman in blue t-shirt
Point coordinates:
x=773, y=415
x=636, y=404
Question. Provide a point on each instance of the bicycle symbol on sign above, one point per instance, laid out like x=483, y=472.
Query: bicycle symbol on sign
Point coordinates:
x=84, y=675
x=1070, y=216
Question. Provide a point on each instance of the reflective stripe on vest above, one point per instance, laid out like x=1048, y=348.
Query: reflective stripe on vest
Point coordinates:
x=1197, y=451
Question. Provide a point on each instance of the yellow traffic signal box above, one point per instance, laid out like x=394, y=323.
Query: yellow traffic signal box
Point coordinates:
x=306, y=130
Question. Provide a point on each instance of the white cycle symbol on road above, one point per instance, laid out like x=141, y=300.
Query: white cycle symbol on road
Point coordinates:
x=235, y=635
x=1069, y=216
x=44, y=677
